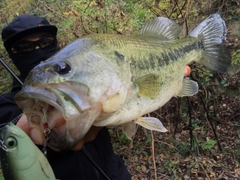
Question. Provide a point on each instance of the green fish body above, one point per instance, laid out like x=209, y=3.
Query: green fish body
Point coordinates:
x=108, y=79
x=20, y=158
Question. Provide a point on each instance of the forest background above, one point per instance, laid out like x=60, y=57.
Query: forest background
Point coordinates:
x=203, y=141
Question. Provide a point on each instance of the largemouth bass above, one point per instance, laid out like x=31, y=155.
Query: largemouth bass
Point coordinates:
x=111, y=80
x=20, y=158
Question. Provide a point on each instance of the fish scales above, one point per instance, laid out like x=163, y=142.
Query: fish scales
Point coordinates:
x=109, y=79
x=151, y=54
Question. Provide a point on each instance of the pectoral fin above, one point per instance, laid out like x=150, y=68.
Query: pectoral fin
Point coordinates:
x=129, y=129
x=189, y=88
x=149, y=86
x=151, y=123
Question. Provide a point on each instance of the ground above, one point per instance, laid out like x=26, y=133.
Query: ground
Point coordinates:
x=179, y=155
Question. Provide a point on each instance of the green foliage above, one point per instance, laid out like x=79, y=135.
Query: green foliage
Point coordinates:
x=203, y=132
x=172, y=169
x=168, y=165
x=197, y=124
x=237, y=156
x=208, y=145
x=138, y=168
x=145, y=153
x=195, y=145
x=123, y=139
x=184, y=148
x=236, y=57
x=191, y=146
x=184, y=108
x=238, y=133
x=6, y=78
x=149, y=139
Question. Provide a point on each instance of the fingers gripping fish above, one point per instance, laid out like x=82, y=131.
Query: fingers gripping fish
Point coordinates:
x=109, y=79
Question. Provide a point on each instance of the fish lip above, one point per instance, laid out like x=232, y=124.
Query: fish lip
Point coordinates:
x=29, y=96
x=55, y=95
x=50, y=96
x=60, y=142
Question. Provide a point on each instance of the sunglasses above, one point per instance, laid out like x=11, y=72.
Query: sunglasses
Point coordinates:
x=26, y=47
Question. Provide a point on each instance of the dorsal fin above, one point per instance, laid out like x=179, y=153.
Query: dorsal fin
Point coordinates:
x=162, y=28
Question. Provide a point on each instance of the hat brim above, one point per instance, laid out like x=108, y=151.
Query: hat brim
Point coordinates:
x=47, y=28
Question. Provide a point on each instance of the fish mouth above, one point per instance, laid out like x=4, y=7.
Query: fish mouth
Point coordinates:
x=62, y=109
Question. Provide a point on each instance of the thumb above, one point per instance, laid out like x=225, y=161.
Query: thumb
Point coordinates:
x=187, y=71
x=33, y=130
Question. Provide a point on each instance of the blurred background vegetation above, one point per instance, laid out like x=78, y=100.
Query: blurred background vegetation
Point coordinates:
x=211, y=118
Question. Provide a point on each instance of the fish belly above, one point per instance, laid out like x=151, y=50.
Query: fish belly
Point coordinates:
x=137, y=106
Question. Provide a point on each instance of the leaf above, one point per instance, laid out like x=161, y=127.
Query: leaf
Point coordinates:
x=237, y=171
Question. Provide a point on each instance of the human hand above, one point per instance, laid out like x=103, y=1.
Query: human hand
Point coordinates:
x=34, y=131
x=187, y=71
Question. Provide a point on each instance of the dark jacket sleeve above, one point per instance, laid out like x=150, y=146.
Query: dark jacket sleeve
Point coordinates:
x=74, y=164
x=8, y=108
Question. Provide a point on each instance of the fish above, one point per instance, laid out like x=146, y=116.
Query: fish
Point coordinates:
x=20, y=157
x=115, y=80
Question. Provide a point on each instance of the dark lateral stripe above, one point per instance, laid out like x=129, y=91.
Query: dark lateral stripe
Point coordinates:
x=174, y=54
x=167, y=56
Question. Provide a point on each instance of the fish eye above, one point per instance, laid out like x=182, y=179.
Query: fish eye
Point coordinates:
x=11, y=142
x=62, y=68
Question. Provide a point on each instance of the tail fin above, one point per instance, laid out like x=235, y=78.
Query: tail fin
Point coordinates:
x=213, y=33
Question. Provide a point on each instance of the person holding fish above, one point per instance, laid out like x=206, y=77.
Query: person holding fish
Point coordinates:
x=29, y=40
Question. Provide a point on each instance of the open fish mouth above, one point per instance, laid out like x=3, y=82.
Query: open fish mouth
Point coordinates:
x=61, y=108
